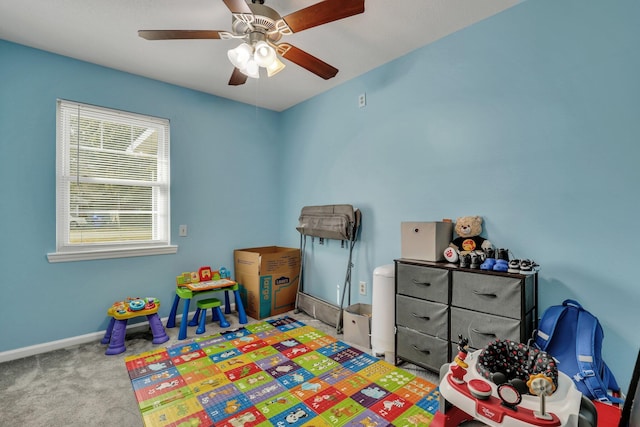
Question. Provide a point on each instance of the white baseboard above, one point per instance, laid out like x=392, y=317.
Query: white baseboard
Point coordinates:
x=32, y=350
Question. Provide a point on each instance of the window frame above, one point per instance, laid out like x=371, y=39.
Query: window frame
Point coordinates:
x=160, y=242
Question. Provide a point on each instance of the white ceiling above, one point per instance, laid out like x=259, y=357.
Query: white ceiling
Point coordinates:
x=104, y=32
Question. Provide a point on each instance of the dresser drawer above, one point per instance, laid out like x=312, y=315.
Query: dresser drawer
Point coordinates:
x=421, y=349
x=482, y=328
x=488, y=293
x=423, y=282
x=423, y=316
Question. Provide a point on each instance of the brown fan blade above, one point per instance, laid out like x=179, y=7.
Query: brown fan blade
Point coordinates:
x=178, y=34
x=306, y=60
x=322, y=13
x=237, y=78
x=237, y=6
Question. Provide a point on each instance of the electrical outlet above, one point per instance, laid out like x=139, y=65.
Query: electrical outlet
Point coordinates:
x=363, y=288
x=362, y=100
x=182, y=231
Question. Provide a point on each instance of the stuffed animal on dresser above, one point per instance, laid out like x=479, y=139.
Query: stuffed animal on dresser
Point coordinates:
x=468, y=229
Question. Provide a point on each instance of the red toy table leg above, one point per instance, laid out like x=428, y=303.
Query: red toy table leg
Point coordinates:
x=438, y=420
x=453, y=418
x=116, y=344
x=159, y=334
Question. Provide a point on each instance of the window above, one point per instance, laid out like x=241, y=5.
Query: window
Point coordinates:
x=112, y=184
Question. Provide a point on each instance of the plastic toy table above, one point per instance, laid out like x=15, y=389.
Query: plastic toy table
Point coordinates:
x=121, y=312
x=186, y=293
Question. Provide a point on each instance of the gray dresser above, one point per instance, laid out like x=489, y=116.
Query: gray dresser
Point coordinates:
x=436, y=302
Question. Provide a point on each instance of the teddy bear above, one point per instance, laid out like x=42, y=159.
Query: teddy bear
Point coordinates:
x=468, y=229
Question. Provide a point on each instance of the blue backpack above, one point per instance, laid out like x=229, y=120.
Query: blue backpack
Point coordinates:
x=573, y=336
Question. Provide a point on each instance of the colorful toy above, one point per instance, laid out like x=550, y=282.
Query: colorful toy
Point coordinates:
x=204, y=273
x=460, y=369
x=205, y=279
x=122, y=311
x=509, y=384
x=189, y=284
x=468, y=229
x=210, y=284
x=137, y=304
x=224, y=273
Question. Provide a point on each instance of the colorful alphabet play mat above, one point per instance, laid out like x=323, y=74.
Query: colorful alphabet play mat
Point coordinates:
x=275, y=373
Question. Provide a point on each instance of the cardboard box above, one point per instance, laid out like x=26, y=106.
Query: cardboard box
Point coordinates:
x=269, y=278
x=425, y=240
x=357, y=325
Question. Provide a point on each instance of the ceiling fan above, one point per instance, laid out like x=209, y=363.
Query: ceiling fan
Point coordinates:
x=260, y=28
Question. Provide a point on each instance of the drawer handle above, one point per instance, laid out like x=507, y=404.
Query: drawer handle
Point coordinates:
x=415, y=347
x=489, y=334
x=415, y=282
x=485, y=295
x=421, y=317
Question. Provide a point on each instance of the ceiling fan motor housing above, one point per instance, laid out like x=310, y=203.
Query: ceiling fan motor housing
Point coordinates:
x=263, y=24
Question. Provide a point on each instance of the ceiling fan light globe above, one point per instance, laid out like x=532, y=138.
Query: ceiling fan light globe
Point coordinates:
x=264, y=54
x=240, y=56
x=252, y=70
x=275, y=67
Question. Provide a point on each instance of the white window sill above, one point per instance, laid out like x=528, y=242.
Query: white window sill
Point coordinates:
x=110, y=253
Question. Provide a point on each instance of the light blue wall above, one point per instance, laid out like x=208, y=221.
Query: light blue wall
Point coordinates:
x=529, y=119
x=222, y=178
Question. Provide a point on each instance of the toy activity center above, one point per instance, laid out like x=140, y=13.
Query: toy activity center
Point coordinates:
x=491, y=174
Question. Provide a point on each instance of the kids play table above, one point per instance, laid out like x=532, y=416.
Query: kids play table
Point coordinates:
x=122, y=311
x=188, y=291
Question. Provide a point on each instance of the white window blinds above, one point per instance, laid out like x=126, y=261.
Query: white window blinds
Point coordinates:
x=112, y=180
